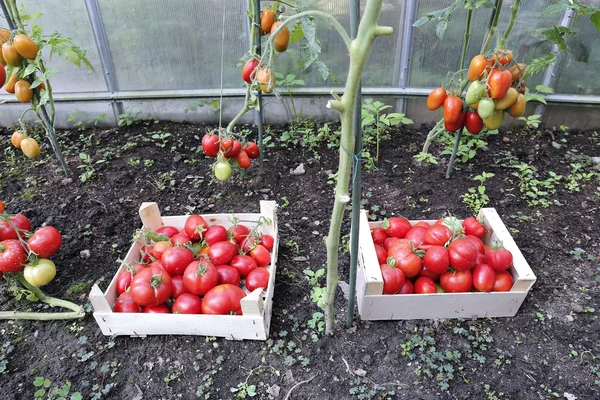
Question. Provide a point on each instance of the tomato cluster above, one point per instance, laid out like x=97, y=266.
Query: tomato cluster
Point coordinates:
x=497, y=87
x=28, y=145
x=228, y=148
x=448, y=256
x=22, y=250
x=16, y=49
x=199, y=269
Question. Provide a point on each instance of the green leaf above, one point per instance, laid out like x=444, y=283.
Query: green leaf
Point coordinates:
x=475, y=4
x=596, y=20
x=38, y=381
x=251, y=390
x=544, y=89
x=540, y=64
x=50, y=73
x=556, y=35
x=442, y=16
x=297, y=33
x=323, y=70
x=29, y=70
x=554, y=8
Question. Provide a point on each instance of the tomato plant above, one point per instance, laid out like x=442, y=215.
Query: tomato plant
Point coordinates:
x=267, y=18
x=18, y=221
x=280, y=43
x=452, y=109
x=210, y=144
x=25, y=46
x=30, y=147
x=473, y=123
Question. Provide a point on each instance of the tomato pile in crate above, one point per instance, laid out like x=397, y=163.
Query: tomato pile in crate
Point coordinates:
x=440, y=269
x=210, y=275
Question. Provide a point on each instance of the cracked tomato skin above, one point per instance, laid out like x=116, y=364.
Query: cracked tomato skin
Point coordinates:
x=12, y=256
x=223, y=300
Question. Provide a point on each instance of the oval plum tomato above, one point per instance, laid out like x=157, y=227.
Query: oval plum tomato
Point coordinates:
x=11, y=55
x=16, y=138
x=437, y=235
x=30, y=147
x=267, y=18
x=268, y=241
x=160, y=247
x=456, y=281
x=244, y=264
x=508, y=100
x=452, y=109
x=396, y=226
x=239, y=232
x=494, y=121
x=263, y=77
x=40, y=273
x=477, y=66
x=9, y=86
x=243, y=160
x=252, y=150
x=454, y=126
x=517, y=71
x=125, y=277
x=463, y=254
x=4, y=36
x=126, y=304
x=2, y=74
x=436, y=98
x=415, y=235
x=200, y=276
x=504, y=56
x=23, y=91
x=228, y=274
x=393, y=279
x=485, y=109
x=437, y=259
x=410, y=263
x=474, y=123
x=381, y=254
x=223, y=300
x=499, y=259
x=484, y=278
x=518, y=108
x=407, y=288
x=261, y=255
x=425, y=285
x=158, y=309
x=26, y=46
x=429, y=274
x=168, y=231
x=178, y=286
x=222, y=170
x=234, y=150
x=176, y=259
x=187, y=303
x=249, y=70
x=222, y=252
x=258, y=278
x=19, y=221
x=180, y=239
x=474, y=92
x=214, y=234
x=476, y=242
x=195, y=226
x=210, y=144
x=281, y=41
x=499, y=82
x=389, y=242
x=473, y=227
x=1, y=206
x=379, y=235
x=151, y=286
x=504, y=281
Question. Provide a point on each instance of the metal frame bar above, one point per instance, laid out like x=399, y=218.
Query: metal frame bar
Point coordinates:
x=110, y=77
x=402, y=74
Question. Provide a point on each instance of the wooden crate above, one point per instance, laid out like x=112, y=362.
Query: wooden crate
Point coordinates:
x=374, y=305
x=256, y=306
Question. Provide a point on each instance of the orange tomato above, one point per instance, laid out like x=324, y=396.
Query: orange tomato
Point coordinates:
x=263, y=77
x=30, y=147
x=4, y=36
x=26, y=46
x=267, y=18
x=436, y=98
x=499, y=82
x=508, y=100
x=10, y=85
x=518, y=108
x=517, y=71
x=1, y=206
x=11, y=55
x=16, y=138
x=477, y=66
x=504, y=56
x=23, y=91
x=280, y=43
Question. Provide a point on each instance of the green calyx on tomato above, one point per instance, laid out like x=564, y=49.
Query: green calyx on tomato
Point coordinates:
x=40, y=272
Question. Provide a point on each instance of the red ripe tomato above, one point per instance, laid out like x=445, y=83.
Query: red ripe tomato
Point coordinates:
x=429, y=274
x=176, y=259
x=407, y=288
x=231, y=151
x=410, y=263
x=422, y=224
x=187, y=303
x=168, y=231
x=425, y=285
x=257, y=278
x=1, y=202
x=158, y=309
x=381, y=254
x=499, y=82
x=437, y=235
x=477, y=243
x=178, y=286
x=499, y=259
x=391, y=241
x=437, y=259
x=454, y=126
x=473, y=227
x=210, y=144
x=239, y=232
x=244, y=264
x=456, y=281
x=504, y=281
x=249, y=70
x=252, y=150
x=268, y=241
x=151, y=286
x=243, y=160
x=125, y=277
x=504, y=56
x=195, y=226
x=480, y=259
x=160, y=247
x=45, y=241
x=436, y=98
x=126, y=304
x=474, y=123
x=200, y=276
x=261, y=255
x=214, y=234
x=398, y=244
x=12, y=256
x=396, y=227
x=378, y=235
x=20, y=222
x=228, y=274
x=463, y=254
x=180, y=239
x=221, y=253
x=452, y=109
x=416, y=234
x=393, y=279
x=157, y=264
x=484, y=278
x=223, y=300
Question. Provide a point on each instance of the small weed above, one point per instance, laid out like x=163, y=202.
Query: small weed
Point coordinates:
x=88, y=166
x=59, y=392
x=129, y=118
x=5, y=350
x=363, y=388
x=542, y=316
x=467, y=148
x=476, y=198
x=426, y=158
x=535, y=191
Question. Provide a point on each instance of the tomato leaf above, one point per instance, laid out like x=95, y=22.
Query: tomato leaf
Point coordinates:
x=541, y=63
x=556, y=35
x=544, y=89
x=596, y=20
x=558, y=7
x=29, y=70
x=475, y=4
x=297, y=33
x=442, y=16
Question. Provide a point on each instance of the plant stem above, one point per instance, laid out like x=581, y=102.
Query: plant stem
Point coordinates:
x=243, y=111
x=464, y=50
x=454, y=151
x=434, y=133
x=493, y=24
x=511, y=23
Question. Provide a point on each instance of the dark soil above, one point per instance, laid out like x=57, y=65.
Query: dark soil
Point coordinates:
x=548, y=350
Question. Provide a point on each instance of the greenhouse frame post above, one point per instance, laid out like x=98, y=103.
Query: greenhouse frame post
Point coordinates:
x=549, y=78
x=356, y=192
x=402, y=74
x=110, y=77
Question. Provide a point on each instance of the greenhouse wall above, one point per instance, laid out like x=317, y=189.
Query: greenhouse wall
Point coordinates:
x=155, y=62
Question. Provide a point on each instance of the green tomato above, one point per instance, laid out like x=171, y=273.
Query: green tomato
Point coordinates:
x=485, y=108
x=41, y=273
x=474, y=92
x=223, y=170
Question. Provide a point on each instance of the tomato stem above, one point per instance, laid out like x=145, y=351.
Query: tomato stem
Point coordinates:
x=511, y=23
x=492, y=27
x=434, y=133
x=454, y=151
x=464, y=50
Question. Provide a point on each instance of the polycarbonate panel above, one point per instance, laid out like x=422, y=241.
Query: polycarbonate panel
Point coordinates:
x=70, y=18
x=432, y=58
x=175, y=45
